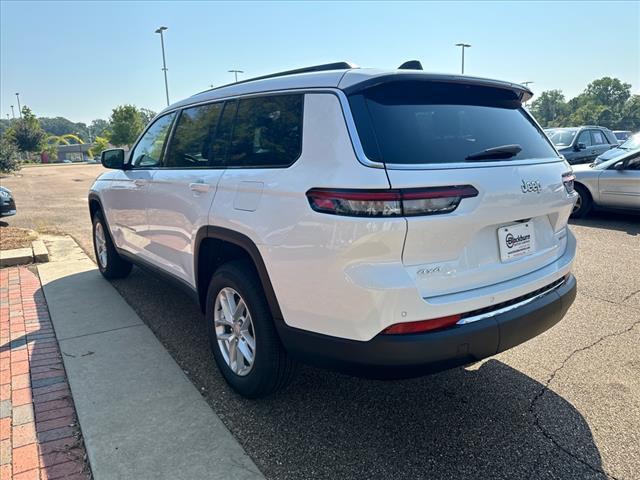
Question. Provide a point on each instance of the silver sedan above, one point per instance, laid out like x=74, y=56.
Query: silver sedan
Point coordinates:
x=612, y=184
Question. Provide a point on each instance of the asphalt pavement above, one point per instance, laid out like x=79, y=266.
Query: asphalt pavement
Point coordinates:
x=563, y=405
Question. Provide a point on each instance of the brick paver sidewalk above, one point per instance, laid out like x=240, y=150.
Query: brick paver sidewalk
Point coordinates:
x=39, y=437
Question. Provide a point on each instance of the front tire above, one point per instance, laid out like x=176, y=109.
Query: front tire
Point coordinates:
x=583, y=204
x=110, y=263
x=243, y=338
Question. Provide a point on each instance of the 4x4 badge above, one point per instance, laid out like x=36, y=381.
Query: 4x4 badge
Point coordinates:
x=531, y=186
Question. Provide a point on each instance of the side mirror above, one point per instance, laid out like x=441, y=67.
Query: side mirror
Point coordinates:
x=113, y=158
x=580, y=146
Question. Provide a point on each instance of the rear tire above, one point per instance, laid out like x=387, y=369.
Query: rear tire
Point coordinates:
x=110, y=263
x=267, y=367
x=583, y=204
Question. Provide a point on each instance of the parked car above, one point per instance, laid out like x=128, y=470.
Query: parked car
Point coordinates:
x=348, y=218
x=622, y=135
x=613, y=184
x=631, y=144
x=582, y=144
x=7, y=203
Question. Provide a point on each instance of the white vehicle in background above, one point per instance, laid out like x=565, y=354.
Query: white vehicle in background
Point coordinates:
x=382, y=223
x=611, y=184
x=622, y=135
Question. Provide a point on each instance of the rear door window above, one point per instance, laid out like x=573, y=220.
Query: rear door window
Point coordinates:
x=267, y=132
x=193, y=137
x=597, y=137
x=435, y=122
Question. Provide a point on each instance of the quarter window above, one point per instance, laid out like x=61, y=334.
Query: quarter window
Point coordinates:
x=267, y=132
x=191, y=144
x=148, y=152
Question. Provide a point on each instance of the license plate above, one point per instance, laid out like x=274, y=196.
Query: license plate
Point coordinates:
x=516, y=241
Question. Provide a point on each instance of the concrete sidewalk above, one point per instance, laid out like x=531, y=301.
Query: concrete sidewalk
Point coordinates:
x=139, y=415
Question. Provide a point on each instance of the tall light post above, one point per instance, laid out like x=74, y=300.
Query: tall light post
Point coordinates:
x=236, y=72
x=463, y=46
x=164, y=62
x=13, y=113
x=19, y=108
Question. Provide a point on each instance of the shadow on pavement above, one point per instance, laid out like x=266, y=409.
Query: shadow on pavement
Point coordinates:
x=610, y=221
x=490, y=421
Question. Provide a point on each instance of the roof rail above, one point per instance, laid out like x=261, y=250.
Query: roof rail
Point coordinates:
x=314, y=68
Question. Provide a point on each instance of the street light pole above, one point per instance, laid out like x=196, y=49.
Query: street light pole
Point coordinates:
x=236, y=72
x=463, y=46
x=164, y=62
x=13, y=113
x=19, y=108
x=526, y=84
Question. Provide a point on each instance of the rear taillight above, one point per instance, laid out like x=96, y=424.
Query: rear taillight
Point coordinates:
x=389, y=203
x=567, y=180
x=422, y=326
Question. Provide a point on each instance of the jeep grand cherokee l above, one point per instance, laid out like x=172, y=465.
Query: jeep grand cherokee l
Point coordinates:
x=382, y=223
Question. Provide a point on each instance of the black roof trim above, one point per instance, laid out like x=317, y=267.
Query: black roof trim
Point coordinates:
x=314, y=68
x=523, y=92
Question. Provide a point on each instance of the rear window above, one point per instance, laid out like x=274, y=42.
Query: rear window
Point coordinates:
x=434, y=122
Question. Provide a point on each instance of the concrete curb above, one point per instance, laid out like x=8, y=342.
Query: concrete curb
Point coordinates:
x=22, y=256
x=139, y=414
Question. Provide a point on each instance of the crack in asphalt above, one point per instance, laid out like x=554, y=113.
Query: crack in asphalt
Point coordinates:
x=545, y=388
x=630, y=295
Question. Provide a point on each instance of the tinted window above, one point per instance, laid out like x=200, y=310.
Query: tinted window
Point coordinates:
x=597, y=137
x=431, y=122
x=267, y=132
x=220, y=143
x=194, y=133
x=148, y=151
x=584, y=138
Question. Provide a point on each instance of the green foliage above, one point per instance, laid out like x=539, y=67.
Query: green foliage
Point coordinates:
x=51, y=149
x=99, y=144
x=147, y=115
x=126, y=124
x=99, y=128
x=9, y=160
x=607, y=102
x=26, y=132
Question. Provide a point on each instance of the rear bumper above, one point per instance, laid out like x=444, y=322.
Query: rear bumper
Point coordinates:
x=7, y=207
x=401, y=356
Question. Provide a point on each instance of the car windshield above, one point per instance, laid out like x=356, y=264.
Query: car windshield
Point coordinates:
x=632, y=142
x=621, y=135
x=562, y=137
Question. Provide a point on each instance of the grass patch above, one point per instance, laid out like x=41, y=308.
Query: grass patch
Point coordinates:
x=13, y=237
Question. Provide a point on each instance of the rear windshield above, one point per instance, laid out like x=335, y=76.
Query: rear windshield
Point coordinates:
x=433, y=122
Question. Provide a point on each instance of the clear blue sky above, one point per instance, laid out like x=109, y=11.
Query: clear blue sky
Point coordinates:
x=80, y=59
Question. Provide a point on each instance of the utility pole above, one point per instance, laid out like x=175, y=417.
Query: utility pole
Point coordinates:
x=463, y=46
x=13, y=113
x=236, y=72
x=19, y=108
x=164, y=62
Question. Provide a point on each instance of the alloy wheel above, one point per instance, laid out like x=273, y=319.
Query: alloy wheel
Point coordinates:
x=101, y=244
x=234, y=331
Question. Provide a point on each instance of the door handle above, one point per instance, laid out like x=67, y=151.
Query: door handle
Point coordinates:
x=199, y=187
x=139, y=182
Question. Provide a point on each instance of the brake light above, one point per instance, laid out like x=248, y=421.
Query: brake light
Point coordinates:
x=568, y=179
x=422, y=325
x=389, y=203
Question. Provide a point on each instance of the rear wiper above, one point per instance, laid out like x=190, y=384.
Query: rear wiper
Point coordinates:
x=496, y=153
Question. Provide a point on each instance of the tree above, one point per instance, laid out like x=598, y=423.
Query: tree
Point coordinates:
x=99, y=128
x=9, y=161
x=630, y=115
x=27, y=133
x=126, y=125
x=147, y=115
x=608, y=91
x=549, y=107
x=99, y=144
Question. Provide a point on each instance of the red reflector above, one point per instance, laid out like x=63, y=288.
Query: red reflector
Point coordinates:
x=422, y=326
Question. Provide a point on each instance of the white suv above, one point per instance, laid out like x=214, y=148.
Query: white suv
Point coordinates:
x=382, y=223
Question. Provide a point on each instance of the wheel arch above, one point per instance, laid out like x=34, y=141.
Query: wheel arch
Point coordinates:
x=215, y=246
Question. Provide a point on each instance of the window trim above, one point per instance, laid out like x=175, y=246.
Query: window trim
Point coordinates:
x=129, y=162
